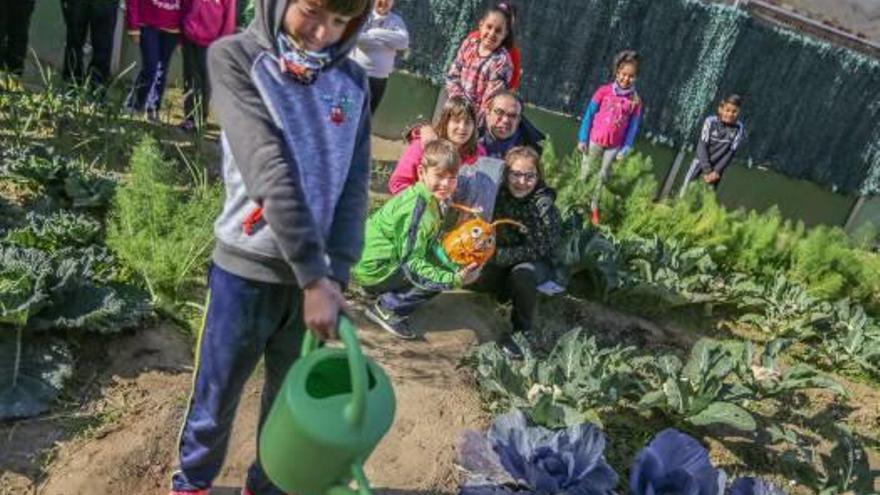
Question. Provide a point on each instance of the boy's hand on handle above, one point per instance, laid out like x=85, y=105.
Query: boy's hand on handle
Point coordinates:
x=583, y=147
x=135, y=37
x=469, y=274
x=322, y=303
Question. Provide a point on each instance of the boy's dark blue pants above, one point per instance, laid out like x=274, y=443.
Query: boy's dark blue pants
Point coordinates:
x=398, y=295
x=156, y=49
x=245, y=321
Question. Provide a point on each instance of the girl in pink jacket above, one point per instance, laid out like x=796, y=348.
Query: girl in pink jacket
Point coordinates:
x=155, y=26
x=204, y=21
x=458, y=124
x=610, y=123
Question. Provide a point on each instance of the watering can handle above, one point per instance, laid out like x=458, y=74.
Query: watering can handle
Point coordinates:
x=355, y=411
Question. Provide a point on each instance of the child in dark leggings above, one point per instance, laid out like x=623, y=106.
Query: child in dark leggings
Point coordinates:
x=155, y=26
x=204, y=22
x=522, y=260
x=15, y=20
x=94, y=20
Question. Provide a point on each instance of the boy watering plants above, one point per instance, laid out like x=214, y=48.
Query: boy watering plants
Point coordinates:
x=294, y=112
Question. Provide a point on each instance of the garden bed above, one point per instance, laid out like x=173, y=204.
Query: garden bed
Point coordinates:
x=106, y=233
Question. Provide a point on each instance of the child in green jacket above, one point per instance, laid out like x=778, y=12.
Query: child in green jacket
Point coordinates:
x=402, y=261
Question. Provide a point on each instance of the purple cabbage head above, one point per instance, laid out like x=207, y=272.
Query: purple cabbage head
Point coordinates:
x=675, y=464
x=754, y=486
x=517, y=458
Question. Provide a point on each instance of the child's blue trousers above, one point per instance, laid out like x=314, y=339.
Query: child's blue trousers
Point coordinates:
x=398, y=295
x=156, y=49
x=245, y=321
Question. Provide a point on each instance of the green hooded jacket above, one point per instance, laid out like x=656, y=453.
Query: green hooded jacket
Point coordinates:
x=403, y=234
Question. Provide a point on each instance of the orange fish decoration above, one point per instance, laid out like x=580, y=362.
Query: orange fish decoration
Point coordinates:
x=473, y=241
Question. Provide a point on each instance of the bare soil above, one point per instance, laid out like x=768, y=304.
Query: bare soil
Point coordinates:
x=117, y=431
x=123, y=438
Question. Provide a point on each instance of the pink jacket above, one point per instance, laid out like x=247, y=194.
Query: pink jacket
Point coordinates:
x=406, y=173
x=206, y=21
x=159, y=14
x=613, y=117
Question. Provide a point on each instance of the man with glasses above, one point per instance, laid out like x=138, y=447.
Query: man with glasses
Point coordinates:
x=505, y=127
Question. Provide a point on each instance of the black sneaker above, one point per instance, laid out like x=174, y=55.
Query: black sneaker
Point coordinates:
x=510, y=348
x=394, y=324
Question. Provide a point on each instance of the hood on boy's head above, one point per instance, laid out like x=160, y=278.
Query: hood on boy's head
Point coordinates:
x=269, y=16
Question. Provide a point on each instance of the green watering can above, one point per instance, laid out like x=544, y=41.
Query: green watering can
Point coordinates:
x=333, y=408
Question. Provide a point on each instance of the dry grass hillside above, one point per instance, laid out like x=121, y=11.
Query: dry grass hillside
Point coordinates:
x=858, y=16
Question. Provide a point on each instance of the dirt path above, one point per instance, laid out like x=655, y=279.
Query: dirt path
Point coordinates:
x=130, y=445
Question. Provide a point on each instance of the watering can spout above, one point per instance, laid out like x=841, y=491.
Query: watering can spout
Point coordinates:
x=357, y=473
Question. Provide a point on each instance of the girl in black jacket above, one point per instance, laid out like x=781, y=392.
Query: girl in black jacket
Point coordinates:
x=522, y=260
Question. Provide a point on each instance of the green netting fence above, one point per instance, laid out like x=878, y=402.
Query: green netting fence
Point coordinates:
x=812, y=108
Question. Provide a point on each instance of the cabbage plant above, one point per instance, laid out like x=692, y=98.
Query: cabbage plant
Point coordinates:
x=562, y=389
x=762, y=377
x=514, y=457
x=675, y=464
x=699, y=391
x=40, y=295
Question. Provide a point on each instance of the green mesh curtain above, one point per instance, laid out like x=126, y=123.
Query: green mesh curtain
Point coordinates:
x=245, y=13
x=813, y=110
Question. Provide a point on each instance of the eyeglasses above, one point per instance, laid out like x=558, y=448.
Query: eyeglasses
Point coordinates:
x=499, y=112
x=523, y=176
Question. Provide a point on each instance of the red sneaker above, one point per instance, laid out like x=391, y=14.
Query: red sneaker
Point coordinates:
x=594, y=216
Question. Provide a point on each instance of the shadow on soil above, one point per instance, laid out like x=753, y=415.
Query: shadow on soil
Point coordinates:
x=26, y=446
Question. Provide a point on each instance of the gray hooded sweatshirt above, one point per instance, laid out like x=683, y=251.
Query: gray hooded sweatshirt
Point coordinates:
x=300, y=152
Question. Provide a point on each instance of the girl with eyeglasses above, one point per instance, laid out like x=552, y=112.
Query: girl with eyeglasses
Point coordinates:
x=523, y=259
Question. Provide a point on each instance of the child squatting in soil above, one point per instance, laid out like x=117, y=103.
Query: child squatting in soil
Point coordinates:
x=294, y=110
x=524, y=258
x=403, y=264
